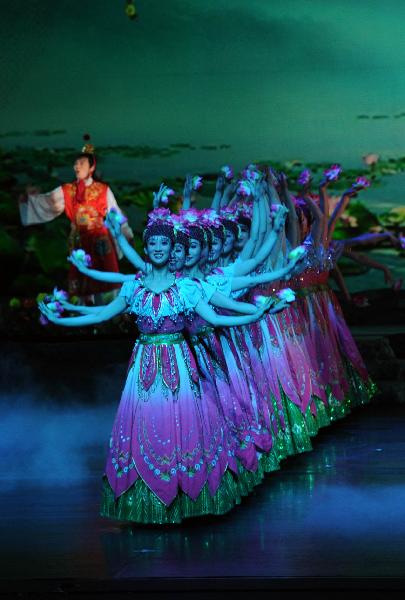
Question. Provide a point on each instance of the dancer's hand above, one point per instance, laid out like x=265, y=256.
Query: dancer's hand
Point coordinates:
x=48, y=313
x=76, y=262
x=280, y=217
x=187, y=190
x=113, y=226
x=220, y=184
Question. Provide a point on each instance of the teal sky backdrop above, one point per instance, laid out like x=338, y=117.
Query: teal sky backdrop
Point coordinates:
x=274, y=79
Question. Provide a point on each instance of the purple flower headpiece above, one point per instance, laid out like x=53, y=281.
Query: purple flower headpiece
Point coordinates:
x=244, y=189
x=158, y=215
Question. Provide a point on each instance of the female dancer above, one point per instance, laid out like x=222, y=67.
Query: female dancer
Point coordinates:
x=169, y=452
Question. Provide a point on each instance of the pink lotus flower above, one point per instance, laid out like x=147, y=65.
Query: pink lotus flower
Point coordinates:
x=81, y=256
x=333, y=172
x=115, y=215
x=304, y=177
x=371, y=159
x=227, y=172
x=361, y=182
x=197, y=182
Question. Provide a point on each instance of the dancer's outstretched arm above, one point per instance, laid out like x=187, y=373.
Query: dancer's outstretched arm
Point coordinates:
x=107, y=276
x=317, y=225
x=187, y=191
x=370, y=239
x=247, y=281
x=324, y=204
x=337, y=275
x=339, y=209
x=80, y=308
x=247, y=266
x=219, y=189
x=221, y=301
x=369, y=262
x=292, y=229
x=250, y=245
x=209, y=314
x=130, y=252
x=116, y=307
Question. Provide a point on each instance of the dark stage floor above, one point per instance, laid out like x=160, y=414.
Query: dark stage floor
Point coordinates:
x=337, y=512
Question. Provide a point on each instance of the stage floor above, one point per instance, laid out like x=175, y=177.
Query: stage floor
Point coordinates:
x=336, y=512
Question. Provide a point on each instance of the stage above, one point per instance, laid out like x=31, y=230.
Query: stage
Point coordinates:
x=331, y=519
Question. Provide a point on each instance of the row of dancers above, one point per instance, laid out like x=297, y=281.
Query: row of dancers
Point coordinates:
x=243, y=352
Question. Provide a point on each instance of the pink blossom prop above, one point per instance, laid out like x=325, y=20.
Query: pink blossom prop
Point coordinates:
x=401, y=239
x=116, y=216
x=333, y=172
x=371, y=159
x=361, y=183
x=81, y=256
x=227, y=172
x=196, y=183
x=305, y=177
x=286, y=294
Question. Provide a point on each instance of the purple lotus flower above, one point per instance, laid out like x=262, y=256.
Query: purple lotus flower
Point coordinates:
x=196, y=182
x=81, y=256
x=286, y=294
x=304, y=177
x=401, y=239
x=361, y=182
x=333, y=172
x=227, y=172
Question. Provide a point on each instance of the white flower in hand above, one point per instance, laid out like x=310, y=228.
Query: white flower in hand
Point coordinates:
x=286, y=295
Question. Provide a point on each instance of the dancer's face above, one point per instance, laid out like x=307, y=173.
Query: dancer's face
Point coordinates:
x=194, y=253
x=216, y=249
x=82, y=168
x=229, y=243
x=177, y=257
x=158, y=249
x=243, y=236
